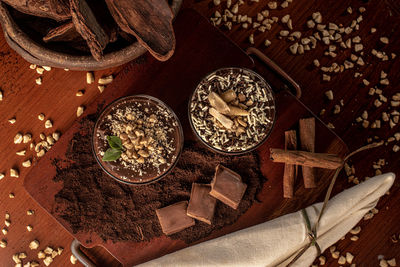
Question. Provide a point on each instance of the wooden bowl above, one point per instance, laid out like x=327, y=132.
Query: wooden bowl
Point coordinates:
x=37, y=52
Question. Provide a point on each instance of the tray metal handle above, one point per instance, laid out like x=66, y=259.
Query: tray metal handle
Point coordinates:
x=77, y=252
x=271, y=64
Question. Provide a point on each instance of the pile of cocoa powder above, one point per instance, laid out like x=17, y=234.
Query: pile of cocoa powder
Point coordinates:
x=91, y=201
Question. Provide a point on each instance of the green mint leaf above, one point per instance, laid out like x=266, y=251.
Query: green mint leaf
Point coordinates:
x=114, y=142
x=112, y=154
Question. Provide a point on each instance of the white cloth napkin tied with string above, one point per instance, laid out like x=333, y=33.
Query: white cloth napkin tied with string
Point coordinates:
x=277, y=242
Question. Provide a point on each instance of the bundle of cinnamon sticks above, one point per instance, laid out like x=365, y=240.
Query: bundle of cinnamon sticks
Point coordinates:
x=100, y=22
x=306, y=157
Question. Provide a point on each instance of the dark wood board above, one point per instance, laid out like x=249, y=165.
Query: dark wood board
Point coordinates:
x=173, y=82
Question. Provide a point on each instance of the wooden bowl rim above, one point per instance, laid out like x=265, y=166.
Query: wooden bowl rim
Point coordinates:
x=40, y=55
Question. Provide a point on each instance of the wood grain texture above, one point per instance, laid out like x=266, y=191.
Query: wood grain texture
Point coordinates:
x=24, y=100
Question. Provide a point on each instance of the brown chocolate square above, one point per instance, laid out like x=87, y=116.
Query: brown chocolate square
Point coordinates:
x=173, y=218
x=201, y=204
x=227, y=186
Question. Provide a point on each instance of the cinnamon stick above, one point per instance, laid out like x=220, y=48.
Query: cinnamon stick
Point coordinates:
x=63, y=33
x=290, y=171
x=308, y=159
x=307, y=141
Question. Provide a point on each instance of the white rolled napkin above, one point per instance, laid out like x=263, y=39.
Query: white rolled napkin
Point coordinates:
x=277, y=242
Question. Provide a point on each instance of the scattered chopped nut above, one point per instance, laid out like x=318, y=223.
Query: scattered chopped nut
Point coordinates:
x=80, y=93
x=89, y=77
x=1, y=175
x=21, y=153
x=38, y=81
x=41, y=255
x=34, y=244
x=73, y=259
x=336, y=255
x=329, y=94
x=368, y=216
x=326, y=77
x=108, y=79
x=322, y=260
x=251, y=38
x=40, y=70
x=3, y=243
x=12, y=120
x=356, y=230
x=384, y=40
x=349, y=257
x=16, y=258
x=41, y=116
x=48, y=124
x=101, y=88
x=11, y=195
x=4, y=231
x=29, y=228
x=396, y=148
x=26, y=163
x=30, y=212
x=354, y=238
x=342, y=260
x=14, y=173
x=383, y=263
x=392, y=262
x=18, y=138
x=48, y=260
x=336, y=109
x=48, y=250
x=26, y=138
x=56, y=136
x=79, y=111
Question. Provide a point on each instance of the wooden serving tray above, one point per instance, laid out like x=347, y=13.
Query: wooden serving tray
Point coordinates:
x=200, y=49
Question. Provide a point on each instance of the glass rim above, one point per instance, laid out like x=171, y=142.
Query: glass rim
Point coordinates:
x=225, y=152
x=180, y=133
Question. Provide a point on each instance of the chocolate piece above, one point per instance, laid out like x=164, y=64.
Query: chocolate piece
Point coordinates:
x=173, y=218
x=201, y=205
x=227, y=186
x=87, y=25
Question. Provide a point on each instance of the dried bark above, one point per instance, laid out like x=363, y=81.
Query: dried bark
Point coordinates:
x=54, y=9
x=86, y=24
x=149, y=21
x=64, y=33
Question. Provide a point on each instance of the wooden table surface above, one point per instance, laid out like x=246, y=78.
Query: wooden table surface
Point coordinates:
x=24, y=100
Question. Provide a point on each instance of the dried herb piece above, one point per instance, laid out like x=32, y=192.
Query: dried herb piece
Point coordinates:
x=86, y=24
x=63, y=33
x=149, y=21
x=54, y=9
x=115, y=150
